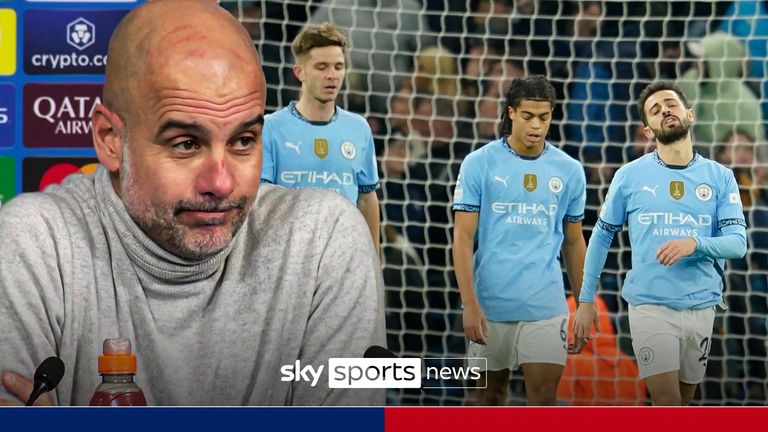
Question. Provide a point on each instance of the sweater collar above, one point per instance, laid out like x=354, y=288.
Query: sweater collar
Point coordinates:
x=143, y=251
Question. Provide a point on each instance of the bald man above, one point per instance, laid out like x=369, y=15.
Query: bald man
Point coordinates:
x=172, y=243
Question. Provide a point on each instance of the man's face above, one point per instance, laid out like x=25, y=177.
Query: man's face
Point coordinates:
x=321, y=72
x=530, y=123
x=668, y=119
x=192, y=159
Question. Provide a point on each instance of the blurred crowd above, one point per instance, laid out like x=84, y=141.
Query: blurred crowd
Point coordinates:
x=431, y=75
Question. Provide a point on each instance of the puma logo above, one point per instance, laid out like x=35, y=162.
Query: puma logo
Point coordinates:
x=291, y=145
x=501, y=180
x=653, y=191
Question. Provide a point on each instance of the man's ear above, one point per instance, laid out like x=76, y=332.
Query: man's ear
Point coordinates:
x=648, y=133
x=107, y=130
x=298, y=72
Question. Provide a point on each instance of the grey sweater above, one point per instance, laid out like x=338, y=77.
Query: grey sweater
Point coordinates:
x=300, y=280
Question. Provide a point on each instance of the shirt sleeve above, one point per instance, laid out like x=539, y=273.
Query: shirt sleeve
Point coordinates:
x=597, y=252
x=268, y=165
x=613, y=213
x=729, y=208
x=368, y=177
x=575, y=211
x=468, y=193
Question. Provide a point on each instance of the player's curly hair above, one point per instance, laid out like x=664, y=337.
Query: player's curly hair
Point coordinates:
x=534, y=87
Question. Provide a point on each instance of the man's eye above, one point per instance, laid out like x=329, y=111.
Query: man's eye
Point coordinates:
x=186, y=146
x=245, y=141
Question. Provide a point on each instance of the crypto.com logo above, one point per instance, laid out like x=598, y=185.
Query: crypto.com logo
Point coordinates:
x=81, y=33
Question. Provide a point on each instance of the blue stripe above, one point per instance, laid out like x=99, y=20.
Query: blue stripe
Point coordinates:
x=608, y=227
x=194, y=419
x=728, y=222
x=466, y=208
x=368, y=188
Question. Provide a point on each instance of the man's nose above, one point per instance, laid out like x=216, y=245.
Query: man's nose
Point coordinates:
x=216, y=177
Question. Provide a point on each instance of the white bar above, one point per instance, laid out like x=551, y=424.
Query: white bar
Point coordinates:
x=374, y=373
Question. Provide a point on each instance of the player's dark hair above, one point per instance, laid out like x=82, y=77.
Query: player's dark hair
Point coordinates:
x=534, y=87
x=656, y=87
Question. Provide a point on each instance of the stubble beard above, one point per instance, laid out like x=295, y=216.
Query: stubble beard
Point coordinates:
x=159, y=222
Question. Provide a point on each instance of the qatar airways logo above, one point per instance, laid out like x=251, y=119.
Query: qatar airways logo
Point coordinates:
x=59, y=115
x=669, y=218
x=324, y=178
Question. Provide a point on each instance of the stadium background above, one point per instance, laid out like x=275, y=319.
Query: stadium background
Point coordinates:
x=429, y=75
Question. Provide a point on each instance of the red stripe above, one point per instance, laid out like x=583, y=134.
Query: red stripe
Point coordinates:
x=573, y=419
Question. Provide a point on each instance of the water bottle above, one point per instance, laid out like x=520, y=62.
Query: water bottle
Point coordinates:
x=117, y=367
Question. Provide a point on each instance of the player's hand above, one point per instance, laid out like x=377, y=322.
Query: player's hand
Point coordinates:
x=585, y=317
x=475, y=325
x=675, y=250
x=21, y=387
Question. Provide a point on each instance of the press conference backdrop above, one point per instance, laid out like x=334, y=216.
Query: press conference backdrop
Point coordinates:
x=52, y=59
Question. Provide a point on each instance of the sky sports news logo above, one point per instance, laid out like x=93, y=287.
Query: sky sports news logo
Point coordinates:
x=59, y=115
x=68, y=41
x=421, y=373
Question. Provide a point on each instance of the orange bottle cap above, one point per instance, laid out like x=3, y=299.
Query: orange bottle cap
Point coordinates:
x=117, y=358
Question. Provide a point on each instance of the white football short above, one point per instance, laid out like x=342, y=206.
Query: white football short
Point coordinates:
x=666, y=340
x=511, y=344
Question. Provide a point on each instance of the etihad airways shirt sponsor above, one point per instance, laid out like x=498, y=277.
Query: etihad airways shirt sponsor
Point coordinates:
x=59, y=115
x=68, y=41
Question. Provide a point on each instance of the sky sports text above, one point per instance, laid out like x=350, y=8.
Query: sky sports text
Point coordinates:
x=460, y=372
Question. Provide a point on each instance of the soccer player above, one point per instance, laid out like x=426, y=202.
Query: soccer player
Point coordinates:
x=685, y=217
x=313, y=143
x=524, y=199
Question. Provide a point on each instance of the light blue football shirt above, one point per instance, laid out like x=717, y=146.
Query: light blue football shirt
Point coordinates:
x=338, y=155
x=522, y=203
x=660, y=202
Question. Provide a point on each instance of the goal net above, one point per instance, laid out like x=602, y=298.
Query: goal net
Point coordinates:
x=430, y=77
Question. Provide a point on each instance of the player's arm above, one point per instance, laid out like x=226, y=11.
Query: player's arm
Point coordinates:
x=465, y=226
x=573, y=250
x=610, y=221
x=732, y=241
x=368, y=204
x=594, y=261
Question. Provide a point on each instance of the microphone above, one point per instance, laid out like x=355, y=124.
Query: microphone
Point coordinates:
x=377, y=351
x=47, y=377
